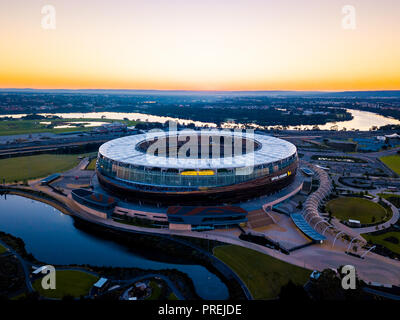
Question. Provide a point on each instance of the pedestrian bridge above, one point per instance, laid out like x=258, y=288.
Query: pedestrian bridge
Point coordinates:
x=302, y=224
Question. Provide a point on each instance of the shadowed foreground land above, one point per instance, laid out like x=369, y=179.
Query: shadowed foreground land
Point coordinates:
x=68, y=283
x=263, y=275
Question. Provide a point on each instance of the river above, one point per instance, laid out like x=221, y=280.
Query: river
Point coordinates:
x=362, y=120
x=52, y=237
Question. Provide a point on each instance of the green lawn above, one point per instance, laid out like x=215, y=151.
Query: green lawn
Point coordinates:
x=2, y=249
x=68, y=283
x=393, y=162
x=382, y=239
x=155, y=291
x=263, y=275
x=392, y=198
x=172, y=296
x=19, y=296
x=38, y=166
x=92, y=164
x=18, y=126
x=23, y=126
x=358, y=209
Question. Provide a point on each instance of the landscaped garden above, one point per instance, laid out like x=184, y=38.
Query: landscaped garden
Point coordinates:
x=392, y=198
x=393, y=162
x=2, y=249
x=92, y=164
x=389, y=240
x=363, y=210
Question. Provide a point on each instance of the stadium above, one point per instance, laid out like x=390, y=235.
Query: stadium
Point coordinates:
x=205, y=167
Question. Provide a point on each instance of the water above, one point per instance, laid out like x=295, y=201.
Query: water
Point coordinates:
x=362, y=120
x=52, y=238
x=119, y=116
x=86, y=124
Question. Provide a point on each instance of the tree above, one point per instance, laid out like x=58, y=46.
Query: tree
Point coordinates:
x=293, y=292
x=300, y=205
x=329, y=287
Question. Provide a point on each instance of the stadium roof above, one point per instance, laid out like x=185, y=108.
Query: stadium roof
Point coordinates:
x=124, y=150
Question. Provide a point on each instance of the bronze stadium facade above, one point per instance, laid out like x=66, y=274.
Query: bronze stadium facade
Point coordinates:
x=195, y=168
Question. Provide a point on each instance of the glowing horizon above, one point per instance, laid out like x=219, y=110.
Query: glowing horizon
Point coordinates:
x=218, y=45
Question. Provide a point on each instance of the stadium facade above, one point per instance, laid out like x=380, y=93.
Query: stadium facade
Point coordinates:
x=205, y=167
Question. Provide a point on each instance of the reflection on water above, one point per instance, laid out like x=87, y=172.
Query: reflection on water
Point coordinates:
x=52, y=237
x=119, y=116
x=362, y=120
x=78, y=124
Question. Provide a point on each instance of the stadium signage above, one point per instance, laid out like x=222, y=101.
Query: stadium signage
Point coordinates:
x=281, y=176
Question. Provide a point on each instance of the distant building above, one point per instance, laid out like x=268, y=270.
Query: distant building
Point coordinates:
x=95, y=203
x=315, y=275
x=393, y=139
x=141, y=285
x=111, y=127
x=370, y=144
x=346, y=146
x=100, y=283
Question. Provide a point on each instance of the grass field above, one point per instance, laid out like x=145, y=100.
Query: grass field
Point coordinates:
x=31, y=167
x=23, y=126
x=2, y=249
x=68, y=283
x=393, y=162
x=14, y=127
x=382, y=239
x=357, y=209
x=92, y=164
x=172, y=296
x=264, y=276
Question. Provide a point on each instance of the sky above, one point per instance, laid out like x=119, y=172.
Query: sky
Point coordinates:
x=200, y=45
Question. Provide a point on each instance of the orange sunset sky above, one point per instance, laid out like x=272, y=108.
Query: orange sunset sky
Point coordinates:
x=201, y=45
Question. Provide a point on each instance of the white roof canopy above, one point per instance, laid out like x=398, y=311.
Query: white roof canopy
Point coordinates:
x=125, y=150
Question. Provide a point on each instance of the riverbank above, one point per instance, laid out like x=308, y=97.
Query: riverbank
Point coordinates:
x=318, y=257
x=172, y=250
x=19, y=263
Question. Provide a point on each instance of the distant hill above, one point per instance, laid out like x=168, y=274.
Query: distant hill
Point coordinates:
x=276, y=93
